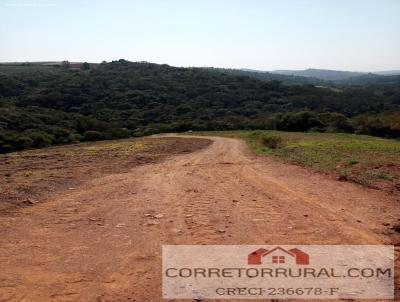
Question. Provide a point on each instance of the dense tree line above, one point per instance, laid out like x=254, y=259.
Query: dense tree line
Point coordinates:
x=54, y=105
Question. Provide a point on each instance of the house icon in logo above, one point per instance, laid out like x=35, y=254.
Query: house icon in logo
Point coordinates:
x=278, y=255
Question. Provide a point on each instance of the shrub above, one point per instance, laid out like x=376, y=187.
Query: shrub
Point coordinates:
x=24, y=142
x=272, y=142
x=60, y=135
x=115, y=133
x=338, y=123
x=7, y=142
x=299, y=121
x=40, y=139
x=92, y=135
x=75, y=138
x=4, y=148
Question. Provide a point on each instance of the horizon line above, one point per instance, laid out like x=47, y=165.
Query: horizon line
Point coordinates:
x=193, y=66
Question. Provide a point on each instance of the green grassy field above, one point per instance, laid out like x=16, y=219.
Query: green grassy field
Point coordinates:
x=364, y=159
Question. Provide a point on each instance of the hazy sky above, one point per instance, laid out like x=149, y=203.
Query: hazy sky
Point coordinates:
x=359, y=35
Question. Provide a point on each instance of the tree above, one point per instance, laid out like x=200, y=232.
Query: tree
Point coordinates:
x=85, y=66
x=65, y=65
x=149, y=98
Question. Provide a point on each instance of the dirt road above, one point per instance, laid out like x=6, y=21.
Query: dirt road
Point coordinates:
x=98, y=243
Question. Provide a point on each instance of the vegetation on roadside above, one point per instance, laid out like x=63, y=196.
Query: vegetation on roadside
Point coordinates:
x=43, y=105
x=272, y=141
x=367, y=160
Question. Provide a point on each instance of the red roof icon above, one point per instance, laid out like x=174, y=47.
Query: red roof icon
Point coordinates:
x=300, y=256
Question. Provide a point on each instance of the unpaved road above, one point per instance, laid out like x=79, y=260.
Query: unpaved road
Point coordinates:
x=96, y=244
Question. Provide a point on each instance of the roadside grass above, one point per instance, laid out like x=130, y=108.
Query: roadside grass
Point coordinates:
x=121, y=147
x=367, y=160
x=113, y=147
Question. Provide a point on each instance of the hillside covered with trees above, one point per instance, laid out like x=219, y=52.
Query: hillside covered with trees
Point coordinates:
x=46, y=105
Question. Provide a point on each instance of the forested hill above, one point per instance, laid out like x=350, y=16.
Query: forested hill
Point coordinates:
x=44, y=105
x=324, y=74
x=286, y=79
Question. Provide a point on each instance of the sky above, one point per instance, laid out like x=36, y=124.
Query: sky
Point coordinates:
x=358, y=35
